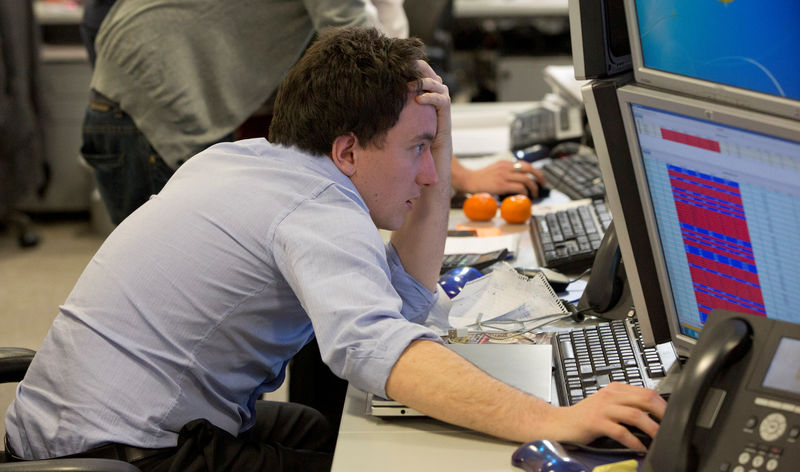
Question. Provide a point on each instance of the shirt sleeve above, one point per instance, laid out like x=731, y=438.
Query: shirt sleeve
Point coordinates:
x=334, y=260
x=417, y=299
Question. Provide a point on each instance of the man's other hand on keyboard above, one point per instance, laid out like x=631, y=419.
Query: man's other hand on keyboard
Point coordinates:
x=498, y=178
x=606, y=413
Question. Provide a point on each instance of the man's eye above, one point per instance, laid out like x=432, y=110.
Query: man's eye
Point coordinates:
x=420, y=148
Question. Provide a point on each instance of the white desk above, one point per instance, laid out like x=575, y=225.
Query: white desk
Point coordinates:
x=483, y=128
x=411, y=444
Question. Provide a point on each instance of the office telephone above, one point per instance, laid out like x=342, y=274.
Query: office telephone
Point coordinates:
x=736, y=406
x=607, y=294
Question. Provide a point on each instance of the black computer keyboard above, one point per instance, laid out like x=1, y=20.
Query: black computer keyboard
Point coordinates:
x=590, y=358
x=567, y=238
x=577, y=175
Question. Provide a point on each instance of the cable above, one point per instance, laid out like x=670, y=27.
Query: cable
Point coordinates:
x=582, y=275
x=521, y=330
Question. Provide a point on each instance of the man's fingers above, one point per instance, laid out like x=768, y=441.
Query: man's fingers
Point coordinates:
x=632, y=406
x=623, y=436
x=427, y=84
x=428, y=71
x=536, y=173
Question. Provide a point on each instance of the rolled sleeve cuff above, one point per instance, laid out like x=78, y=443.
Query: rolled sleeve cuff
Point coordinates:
x=417, y=298
x=375, y=368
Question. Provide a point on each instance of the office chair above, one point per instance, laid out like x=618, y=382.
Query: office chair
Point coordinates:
x=14, y=362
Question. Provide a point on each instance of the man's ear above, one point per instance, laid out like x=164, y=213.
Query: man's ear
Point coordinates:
x=343, y=153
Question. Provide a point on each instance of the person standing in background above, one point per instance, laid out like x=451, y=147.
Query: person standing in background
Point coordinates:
x=172, y=78
x=165, y=84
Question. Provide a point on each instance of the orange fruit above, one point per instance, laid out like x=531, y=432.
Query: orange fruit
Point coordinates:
x=516, y=209
x=480, y=207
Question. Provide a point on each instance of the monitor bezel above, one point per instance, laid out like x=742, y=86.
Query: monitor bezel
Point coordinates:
x=592, y=56
x=622, y=197
x=724, y=114
x=736, y=96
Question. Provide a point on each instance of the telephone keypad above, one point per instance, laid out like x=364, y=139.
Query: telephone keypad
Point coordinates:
x=744, y=457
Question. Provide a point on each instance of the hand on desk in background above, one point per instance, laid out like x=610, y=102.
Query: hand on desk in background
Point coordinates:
x=499, y=178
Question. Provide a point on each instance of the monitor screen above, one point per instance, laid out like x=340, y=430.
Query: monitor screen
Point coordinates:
x=744, y=53
x=719, y=187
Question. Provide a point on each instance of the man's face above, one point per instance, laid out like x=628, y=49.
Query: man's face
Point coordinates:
x=390, y=178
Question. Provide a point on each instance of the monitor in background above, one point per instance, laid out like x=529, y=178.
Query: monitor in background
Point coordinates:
x=743, y=53
x=599, y=38
x=719, y=187
x=622, y=198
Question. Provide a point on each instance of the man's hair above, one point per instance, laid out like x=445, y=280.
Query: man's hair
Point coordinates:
x=352, y=79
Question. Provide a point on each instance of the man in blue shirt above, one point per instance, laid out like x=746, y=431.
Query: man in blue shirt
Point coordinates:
x=193, y=306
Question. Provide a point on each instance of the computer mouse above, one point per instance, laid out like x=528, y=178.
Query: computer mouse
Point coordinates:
x=544, y=191
x=607, y=443
x=454, y=280
x=545, y=456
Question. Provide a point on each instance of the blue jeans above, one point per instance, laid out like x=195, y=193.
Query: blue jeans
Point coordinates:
x=126, y=167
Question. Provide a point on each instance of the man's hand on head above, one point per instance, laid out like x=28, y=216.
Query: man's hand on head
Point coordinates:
x=431, y=90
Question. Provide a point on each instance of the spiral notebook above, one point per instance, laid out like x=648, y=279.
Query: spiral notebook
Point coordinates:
x=527, y=367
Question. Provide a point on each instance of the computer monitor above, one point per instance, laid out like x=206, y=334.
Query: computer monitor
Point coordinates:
x=610, y=145
x=719, y=187
x=599, y=38
x=742, y=53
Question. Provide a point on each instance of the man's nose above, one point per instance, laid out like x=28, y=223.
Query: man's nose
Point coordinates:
x=427, y=174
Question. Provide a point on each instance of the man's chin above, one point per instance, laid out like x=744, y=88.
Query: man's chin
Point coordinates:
x=390, y=225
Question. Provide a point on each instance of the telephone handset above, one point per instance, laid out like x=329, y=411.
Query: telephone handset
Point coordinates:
x=737, y=402
x=722, y=345
x=607, y=294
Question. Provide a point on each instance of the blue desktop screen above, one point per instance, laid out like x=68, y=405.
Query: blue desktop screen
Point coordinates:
x=754, y=45
x=725, y=200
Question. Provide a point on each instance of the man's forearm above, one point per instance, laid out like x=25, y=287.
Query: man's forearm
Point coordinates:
x=420, y=241
x=434, y=380
x=457, y=392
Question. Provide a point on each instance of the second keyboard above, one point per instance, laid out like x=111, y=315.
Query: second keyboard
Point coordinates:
x=566, y=238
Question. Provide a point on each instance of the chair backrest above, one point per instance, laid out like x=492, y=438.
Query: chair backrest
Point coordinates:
x=14, y=361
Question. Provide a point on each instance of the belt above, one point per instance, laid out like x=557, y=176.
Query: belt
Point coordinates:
x=115, y=451
x=96, y=99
